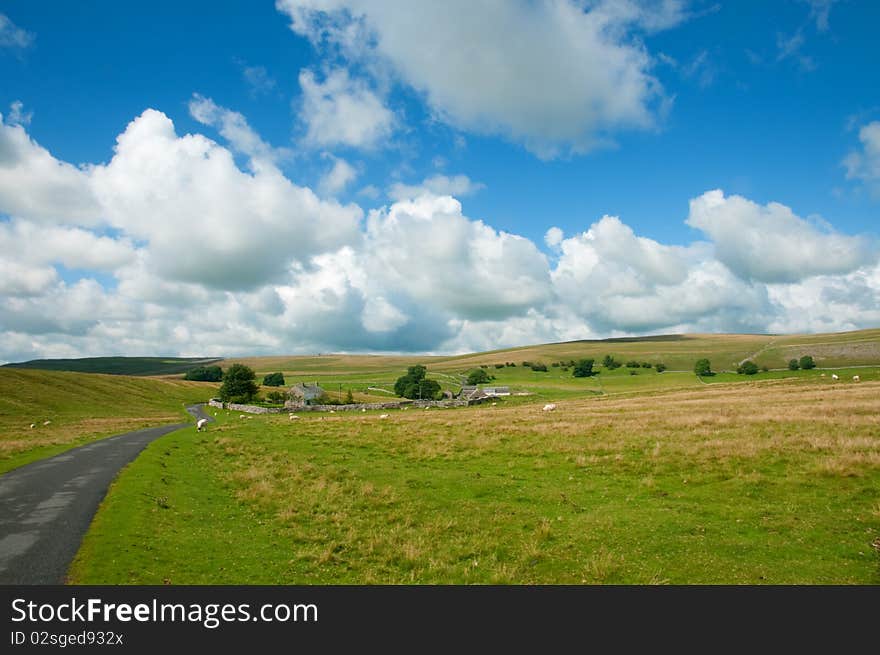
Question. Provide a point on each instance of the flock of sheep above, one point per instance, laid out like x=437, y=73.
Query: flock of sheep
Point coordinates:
x=549, y=407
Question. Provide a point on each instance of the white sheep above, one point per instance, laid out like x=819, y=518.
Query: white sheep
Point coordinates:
x=200, y=424
x=549, y=407
x=856, y=378
x=363, y=409
x=46, y=422
x=242, y=416
x=33, y=425
x=834, y=376
x=383, y=416
x=250, y=417
x=332, y=411
x=293, y=417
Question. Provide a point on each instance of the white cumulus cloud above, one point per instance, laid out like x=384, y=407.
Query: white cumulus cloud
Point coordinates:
x=556, y=76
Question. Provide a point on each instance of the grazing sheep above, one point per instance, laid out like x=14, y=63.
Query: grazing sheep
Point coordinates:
x=33, y=425
x=200, y=424
x=834, y=376
x=856, y=378
x=250, y=417
x=822, y=376
x=48, y=422
x=384, y=416
x=241, y=416
x=293, y=417
x=332, y=411
x=363, y=409
x=549, y=407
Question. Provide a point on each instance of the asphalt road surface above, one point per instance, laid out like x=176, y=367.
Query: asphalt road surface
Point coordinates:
x=47, y=506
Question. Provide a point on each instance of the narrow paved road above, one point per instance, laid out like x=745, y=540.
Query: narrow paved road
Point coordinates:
x=47, y=506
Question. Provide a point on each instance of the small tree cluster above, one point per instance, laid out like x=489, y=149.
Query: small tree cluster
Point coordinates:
x=806, y=362
x=793, y=365
x=583, y=369
x=478, y=376
x=703, y=368
x=748, y=367
x=415, y=385
x=633, y=364
x=276, y=397
x=659, y=367
x=205, y=374
x=610, y=363
x=273, y=380
x=238, y=384
x=538, y=367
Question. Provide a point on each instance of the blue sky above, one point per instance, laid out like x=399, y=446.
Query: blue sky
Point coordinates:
x=772, y=103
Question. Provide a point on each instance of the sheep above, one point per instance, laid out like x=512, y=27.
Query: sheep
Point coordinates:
x=33, y=425
x=292, y=417
x=46, y=422
x=332, y=411
x=383, y=416
x=834, y=376
x=250, y=417
x=200, y=424
x=242, y=416
x=822, y=376
x=856, y=378
x=549, y=407
x=363, y=409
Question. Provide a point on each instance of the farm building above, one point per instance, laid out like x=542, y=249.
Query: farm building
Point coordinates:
x=304, y=393
x=496, y=391
x=473, y=392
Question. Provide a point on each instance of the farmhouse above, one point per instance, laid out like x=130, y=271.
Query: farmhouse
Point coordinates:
x=304, y=393
x=473, y=392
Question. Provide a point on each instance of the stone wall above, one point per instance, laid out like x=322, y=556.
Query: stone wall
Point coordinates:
x=355, y=407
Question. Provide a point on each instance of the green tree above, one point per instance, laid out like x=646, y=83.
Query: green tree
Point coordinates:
x=274, y=380
x=703, y=368
x=632, y=364
x=748, y=367
x=583, y=369
x=660, y=367
x=793, y=365
x=539, y=367
x=806, y=362
x=205, y=374
x=478, y=376
x=238, y=384
x=414, y=375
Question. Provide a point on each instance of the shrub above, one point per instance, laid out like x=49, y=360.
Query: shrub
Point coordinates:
x=527, y=365
x=539, y=367
x=702, y=367
x=659, y=367
x=748, y=367
x=633, y=364
x=793, y=365
x=274, y=380
x=238, y=384
x=499, y=365
x=205, y=374
x=806, y=362
x=583, y=369
x=633, y=371
x=555, y=364
x=609, y=362
x=646, y=365
x=276, y=397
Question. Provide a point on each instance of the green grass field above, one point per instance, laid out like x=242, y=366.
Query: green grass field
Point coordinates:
x=637, y=477
x=759, y=482
x=82, y=407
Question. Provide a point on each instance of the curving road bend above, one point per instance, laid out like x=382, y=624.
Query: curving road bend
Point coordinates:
x=46, y=507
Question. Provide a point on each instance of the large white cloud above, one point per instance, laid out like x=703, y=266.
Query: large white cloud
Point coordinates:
x=557, y=76
x=36, y=186
x=770, y=243
x=175, y=249
x=205, y=220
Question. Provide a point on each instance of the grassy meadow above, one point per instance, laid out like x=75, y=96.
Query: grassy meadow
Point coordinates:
x=82, y=407
x=764, y=481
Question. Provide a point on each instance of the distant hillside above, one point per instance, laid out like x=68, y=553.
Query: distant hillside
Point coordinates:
x=677, y=351
x=118, y=365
